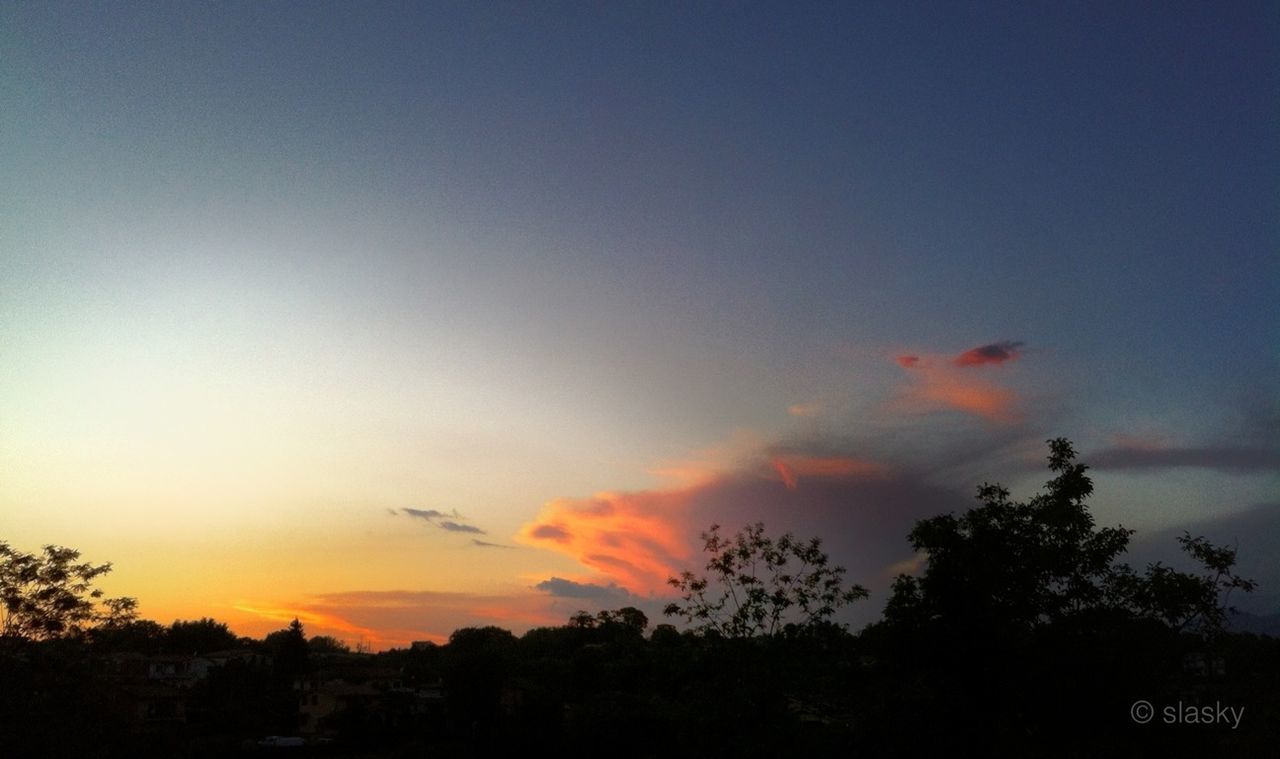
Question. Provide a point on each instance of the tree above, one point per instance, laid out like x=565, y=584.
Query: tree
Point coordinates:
x=627, y=618
x=327, y=644
x=1019, y=565
x=1184, y=600
x=199, y=636
x=291, y=651
x=761, y=586
x=52, y=595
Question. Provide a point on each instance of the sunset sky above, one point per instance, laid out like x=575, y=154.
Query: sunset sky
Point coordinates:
x=404, y=317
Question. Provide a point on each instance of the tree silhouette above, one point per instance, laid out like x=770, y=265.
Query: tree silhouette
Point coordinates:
x=1025, y=564
x=292, y=654
x=51, y=595
x=1025, y=625
x=761, y=586
x=199, y=636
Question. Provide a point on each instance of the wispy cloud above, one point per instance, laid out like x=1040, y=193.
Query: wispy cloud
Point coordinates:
x=429, y=514
x=438, y=518
x=486, y=544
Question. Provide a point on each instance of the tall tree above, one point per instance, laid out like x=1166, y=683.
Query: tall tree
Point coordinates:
x=291, y=651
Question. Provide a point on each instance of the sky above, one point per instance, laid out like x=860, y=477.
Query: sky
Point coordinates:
x=403, y=317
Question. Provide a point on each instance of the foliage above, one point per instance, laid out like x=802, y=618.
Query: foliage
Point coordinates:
x=1183, y=600
x=1012, y=564
x=761, y=586
x=52, y=595
x=141, y=635
x=199, y=636
x=627, y=618
x=327, y=644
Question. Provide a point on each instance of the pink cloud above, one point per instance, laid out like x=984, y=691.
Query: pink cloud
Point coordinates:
x=938, y=384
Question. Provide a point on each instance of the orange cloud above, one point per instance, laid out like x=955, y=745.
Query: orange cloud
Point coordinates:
x=939, y=384
x=637, y=539
x=980, y=399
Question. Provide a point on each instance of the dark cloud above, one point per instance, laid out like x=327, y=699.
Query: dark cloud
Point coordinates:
x=486, y=544
x=1225, y=458
x=428, y=514
x=558, y=586
x=448, y=525
x=993, y=353
x=550, y=532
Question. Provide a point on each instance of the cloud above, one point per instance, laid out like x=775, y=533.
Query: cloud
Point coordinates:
x=1223, y=458
x=992, y=353
x=428, y=514
x=862, y=508
x=486, y=544
x=432, y=515
x=790, y=467
x=634, y=538
x=456, y=527
x=805, y=409
x=558, y=586
x=936, y=384
x=553, y=532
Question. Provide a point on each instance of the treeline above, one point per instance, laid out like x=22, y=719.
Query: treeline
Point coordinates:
x=613, y=685
x=1023, y=634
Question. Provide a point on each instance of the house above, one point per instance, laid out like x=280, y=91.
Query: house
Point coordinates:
x=317, y=704
x=150, y=704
